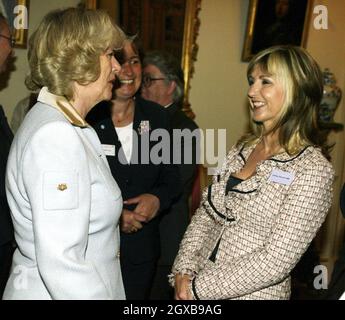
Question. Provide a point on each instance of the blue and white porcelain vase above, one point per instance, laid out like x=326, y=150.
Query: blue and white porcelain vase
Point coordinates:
x=331, y=97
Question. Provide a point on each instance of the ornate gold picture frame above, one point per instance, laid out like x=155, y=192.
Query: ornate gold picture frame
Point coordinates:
x=275, y=22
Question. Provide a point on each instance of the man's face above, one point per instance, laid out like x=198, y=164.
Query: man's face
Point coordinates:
x=5, y=45
x=157, y=90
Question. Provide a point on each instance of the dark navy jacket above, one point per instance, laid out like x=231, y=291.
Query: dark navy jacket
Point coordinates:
x=162, y=180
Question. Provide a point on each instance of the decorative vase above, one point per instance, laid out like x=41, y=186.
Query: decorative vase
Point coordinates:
x=331, y=97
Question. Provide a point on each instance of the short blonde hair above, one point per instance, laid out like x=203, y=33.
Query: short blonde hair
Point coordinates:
x=66, y=47
x=302, y=82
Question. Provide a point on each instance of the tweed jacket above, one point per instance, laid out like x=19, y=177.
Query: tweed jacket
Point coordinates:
x=65, y=206
x=264, y=225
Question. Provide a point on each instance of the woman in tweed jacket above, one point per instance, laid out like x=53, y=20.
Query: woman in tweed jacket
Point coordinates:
x=271, y=196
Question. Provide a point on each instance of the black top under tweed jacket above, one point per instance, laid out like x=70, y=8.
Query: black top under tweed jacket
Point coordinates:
x=162, y=180
x=6, y=136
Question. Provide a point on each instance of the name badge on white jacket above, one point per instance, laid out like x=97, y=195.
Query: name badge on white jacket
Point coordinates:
x=282, y=177
x=109, y=149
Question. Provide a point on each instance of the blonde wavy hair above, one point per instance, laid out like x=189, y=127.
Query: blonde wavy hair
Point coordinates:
x=302, y=81
x=66, y=47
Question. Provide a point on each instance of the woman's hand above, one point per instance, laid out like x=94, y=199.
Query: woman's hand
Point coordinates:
x=147, y=206
x=182, y=291
x=130, y=222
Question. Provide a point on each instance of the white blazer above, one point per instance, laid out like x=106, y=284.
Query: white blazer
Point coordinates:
x=65, y=207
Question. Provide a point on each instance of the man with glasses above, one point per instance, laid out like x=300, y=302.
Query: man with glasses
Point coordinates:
x=163, y=83
x=6, y=228
x=10, y=39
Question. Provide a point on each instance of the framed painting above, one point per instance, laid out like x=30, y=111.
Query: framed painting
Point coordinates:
x=275, y=22
x=16, y=12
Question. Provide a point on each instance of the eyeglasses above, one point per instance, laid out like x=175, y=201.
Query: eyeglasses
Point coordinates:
x=147, y=80
x=10, y=39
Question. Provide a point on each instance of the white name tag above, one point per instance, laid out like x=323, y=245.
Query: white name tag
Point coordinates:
x=282, y=177
x=109, y=150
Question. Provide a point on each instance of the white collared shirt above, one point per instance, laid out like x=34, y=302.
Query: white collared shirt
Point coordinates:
x=125, y=135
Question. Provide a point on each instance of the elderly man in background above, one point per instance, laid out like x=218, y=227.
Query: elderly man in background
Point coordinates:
x=6, y=136
x=163, y=83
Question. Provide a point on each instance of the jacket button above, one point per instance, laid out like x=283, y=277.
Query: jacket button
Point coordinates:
x=62, y=186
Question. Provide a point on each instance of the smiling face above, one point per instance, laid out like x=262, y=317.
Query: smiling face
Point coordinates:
x=158, y=90
x=266, y=97
x=129, y=78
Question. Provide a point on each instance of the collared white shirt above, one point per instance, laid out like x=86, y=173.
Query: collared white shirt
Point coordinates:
x=125, y=135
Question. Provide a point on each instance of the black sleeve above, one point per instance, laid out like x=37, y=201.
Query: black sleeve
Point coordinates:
x=342, y=200
x=169, y=186
x=186, y=148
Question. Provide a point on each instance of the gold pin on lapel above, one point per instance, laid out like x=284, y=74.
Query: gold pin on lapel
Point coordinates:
x=62, y=186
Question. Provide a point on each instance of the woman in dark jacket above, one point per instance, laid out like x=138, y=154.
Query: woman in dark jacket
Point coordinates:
x=148, y=186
